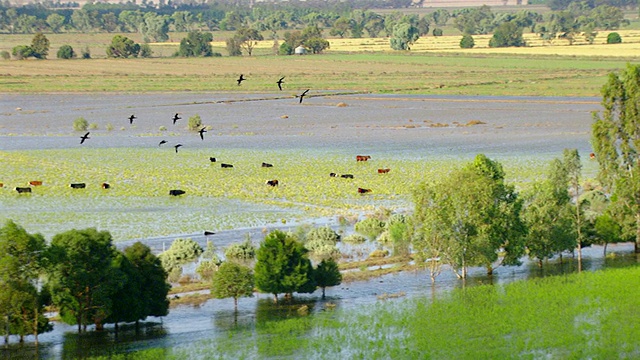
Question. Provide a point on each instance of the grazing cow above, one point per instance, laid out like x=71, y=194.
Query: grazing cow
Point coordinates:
x=592, y=156
x=363, y=191
x=21, y=190
x=176, y=192
x=35, y=183
x=264, y=164
x=105, y=185
x=78, y=185
x=226, y=166
x=212, y=159
x=333, y=175
x=272, y=182
x=347, y=176
x=1, y=185
x=383, y=171
x=362, y=157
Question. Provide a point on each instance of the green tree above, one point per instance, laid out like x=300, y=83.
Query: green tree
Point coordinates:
x=467, y=42
x=55, y=22
x=21, y=52
x=327, y=274
x=21, y=263
x=122, y=47
x=507, y=34
x=614, y=38
x=248, y=38
x=242, y=253
x=182, y=251
x=82, y=278
x=608, y=231
x=404, y=35
x=195, y=123
x=316, y=44
x=232, y=280
x=196, y=44
x=153, y=280
x=66, y=52
x=282, y=266
x=155, y=27
x=616, y=140
x=233, y=47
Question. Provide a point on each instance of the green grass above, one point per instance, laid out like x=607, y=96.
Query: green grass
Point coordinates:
x=591, y=315
x=138, y=205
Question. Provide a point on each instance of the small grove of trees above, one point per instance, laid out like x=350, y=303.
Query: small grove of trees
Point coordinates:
x=196, y=44
x=310, y=37
x=181, y=252
x=38, y=49
x=507, y=34
x=467, y=42
x=66, y=52
x=404, y=35
x=122, y=47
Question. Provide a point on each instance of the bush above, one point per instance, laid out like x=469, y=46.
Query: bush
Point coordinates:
x=145, y=51
x=285, y=49
x=5, y=55
x=66, y=52
x=370, y=228
x=109, y=127
x=467, y=42
x=195, y=123
x=86, y=53
x=21, y=52
x=80, y=124
x=437, y=32
x=93, y=126
x=354, y=239
x=242, y=253
x=614, y=38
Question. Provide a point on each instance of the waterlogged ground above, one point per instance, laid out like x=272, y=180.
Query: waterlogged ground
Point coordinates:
x=418, y=137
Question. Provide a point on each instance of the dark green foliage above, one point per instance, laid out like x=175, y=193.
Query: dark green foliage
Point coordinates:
x=282, y=266
x=467, y=42
x=316, y=44
x=196, y=44
x=40, y=46
x=155, y=288
x=145, y=51
x=66, y=52
x=370, y=227
x=82, y=277
x=404, y=35
x=285, y=49
x=21, y=52
x=507, y=34
x=327, y=274
x=614, y=38
x=232, y=280
x=122, y=47
x=233, y=47
x=247, y=38
x=437, y=32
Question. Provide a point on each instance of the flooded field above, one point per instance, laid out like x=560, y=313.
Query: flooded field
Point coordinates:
x=309, y=139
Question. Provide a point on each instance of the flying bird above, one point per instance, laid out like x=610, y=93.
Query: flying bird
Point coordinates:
x=279, y=82
x=162, y=142
x=207, y=233
x=177, y=146
x=202, y=131
x=241, y=79
x=84, y=137
x=131, y=118
x=176, y=117
x=302, y=95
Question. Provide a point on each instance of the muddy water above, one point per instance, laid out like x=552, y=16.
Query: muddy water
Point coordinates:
x=398, y=126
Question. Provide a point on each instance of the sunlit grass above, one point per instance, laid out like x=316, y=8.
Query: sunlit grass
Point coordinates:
x=138, y=203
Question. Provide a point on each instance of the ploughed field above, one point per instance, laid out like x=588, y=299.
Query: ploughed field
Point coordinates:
x=419, y=138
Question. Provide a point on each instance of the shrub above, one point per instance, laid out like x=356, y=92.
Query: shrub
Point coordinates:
x=145, y=51
x=93, y=126
x=437, y=32
x=354, y=239
x=195, y=123
x=162, y=128
x=80, y=124
x=243, y=252
x=467, y=42
x=5, y=55
x=614, y=38
x=66, y=52
x=370, y=228
x=285, y=49
x=86, y=53
x=21, y=52
x=109, y=127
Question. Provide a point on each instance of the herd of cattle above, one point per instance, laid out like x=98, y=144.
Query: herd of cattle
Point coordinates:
x=178, y=192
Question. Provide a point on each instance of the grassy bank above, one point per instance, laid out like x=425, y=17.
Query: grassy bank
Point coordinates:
x=587, y=315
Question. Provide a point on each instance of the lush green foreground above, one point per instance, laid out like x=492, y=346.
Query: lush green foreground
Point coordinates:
x=580, y=316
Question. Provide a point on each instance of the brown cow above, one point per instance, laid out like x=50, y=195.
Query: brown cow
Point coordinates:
x=592, y=156
x=1, y=185
x=35, y=183
x=383, y=171
x=363, y=191
x=272, y=182
x=362, y=157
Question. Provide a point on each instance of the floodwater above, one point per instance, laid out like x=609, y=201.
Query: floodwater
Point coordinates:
x=398, y=126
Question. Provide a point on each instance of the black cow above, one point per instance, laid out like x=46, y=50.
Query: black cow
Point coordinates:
x=212, y=159
x=78, y=185
x=224, y=166
x=264, y=164
x=105, y=185
x=363, y=191
x=346, y=176
x=176, y=192
x=333, y=175
x=21, y=190
x=272, y=182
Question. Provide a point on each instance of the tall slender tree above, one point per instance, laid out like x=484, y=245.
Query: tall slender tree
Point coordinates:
x=616, y=143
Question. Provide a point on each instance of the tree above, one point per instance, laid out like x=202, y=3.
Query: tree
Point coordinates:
x=181, y=252
x=479, y=218
x=321, y=242
x=616, y=141
x=232, y=280
x=507, y=34
x=573, y=168
x=82, y=278
x=122, y=47
x=66, y=52
x=370, y=227
x=282, y=266
x=233, y=47
x=467, y=41
x=155, y=27
x=21, y=52
x=316, y=44
x=404, y=35
x=327, y=274
x=196, y=44
x=614, y=38
x=248, y=38
x=242, y=253
x=55, y=22
x=21, y=263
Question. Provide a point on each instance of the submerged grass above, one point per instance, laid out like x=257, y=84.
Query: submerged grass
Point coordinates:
x=588, y=315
